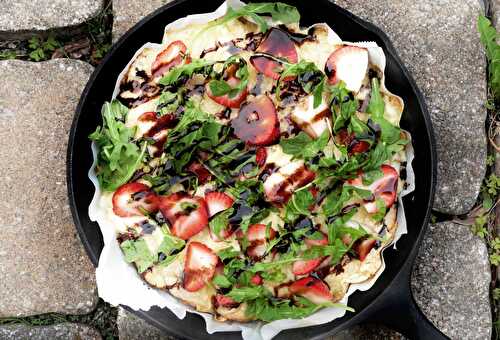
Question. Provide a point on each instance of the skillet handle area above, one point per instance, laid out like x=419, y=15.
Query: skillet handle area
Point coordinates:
x=397, y=309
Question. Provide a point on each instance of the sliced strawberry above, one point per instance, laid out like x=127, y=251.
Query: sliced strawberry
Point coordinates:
x=349, y=64
x=363, y=247
x=225, y=100
x=256, y=280
x=354, y=145
x=168, y=58
x=312, y=289
x=187, y=215
x=217, y=202
x=260, y=156
x=257, y=232
x=134, y=199
x=257, y=122
x=223, y=235
x=302, y=267
x=159, y=131
x=321, y=242
x=278, y=44
x=256, y=236
x=388, y=185
x=200, y=171
x=225, y=301
x=199, y=267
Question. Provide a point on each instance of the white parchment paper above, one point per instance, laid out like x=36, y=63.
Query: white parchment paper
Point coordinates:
x=119, y=283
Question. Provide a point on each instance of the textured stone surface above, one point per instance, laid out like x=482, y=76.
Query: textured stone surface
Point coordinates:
x=438, y=41
x=495, y=10
x=451, y=281
x=65, y=331
x=130, y=327
x=368, y=332
x=23, y=16
x=129, y=12
x=43, y=267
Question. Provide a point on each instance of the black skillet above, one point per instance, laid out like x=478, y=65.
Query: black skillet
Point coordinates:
x=390, y=300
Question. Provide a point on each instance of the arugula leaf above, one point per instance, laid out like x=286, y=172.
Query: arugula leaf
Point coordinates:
x=343, y=106
x=240, y=294
x=221, y=87
x=388, y=132
x=303, y=146
x=309, y=77
x=298, y=205
x=170, y=243
x=381, y=210
x=489, y=38
x=227, y=253
x=138, y=252
x=195, y=66
x=284, y=13
x=169, y=101
x=192, y=114
x=220, y=221
x=118, y=156
x=221, y=281
x=335, y=200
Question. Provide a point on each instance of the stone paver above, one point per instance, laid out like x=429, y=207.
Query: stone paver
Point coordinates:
x=21, y=17
x=451, y=281
x=43, y=267
x=130, y=327
x=128, y=12
x=65, y=331
x=495, y=10
x=439, y=43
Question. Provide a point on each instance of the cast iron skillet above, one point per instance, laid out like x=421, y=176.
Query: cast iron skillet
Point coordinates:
x=390, y=300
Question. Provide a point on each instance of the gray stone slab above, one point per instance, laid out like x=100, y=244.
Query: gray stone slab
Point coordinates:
x=451, y=280
x=130, y=327
x=65, y=331
x=128, y=12
x=438, y=41
x=21, y=17
x=43, y=267
x=495, y=10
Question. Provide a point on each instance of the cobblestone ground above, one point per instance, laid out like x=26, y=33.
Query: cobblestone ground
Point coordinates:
x=48, y=271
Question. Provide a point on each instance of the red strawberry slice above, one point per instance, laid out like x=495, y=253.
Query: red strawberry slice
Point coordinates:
x=256, y=280
x=278, y=44
x=363, y=247
x=134, y=199
x=280, y=185
x=257, y=122
x=225, y=301
x=260, y=156
x=354, y=145
x=168, y=58
x=223, y=235
x=312, y=289
x=257, y=232
x=302, y=267
x=349, y=64
x=199, y=267
x=200, y=171
x=256, y=235
x=225, y=100
x=217, y=202
x=187, y=215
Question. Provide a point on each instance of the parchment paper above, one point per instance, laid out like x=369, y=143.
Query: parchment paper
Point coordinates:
x=119, y=283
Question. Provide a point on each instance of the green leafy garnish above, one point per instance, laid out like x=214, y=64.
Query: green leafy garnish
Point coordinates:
x=343, y=105
x=138, y=252
x=298, y=205
x=220, y=87
x=220, y=221
x=240, y=294
x=221, y=281
x=337, y=198
x=278, y=11
x=195, y=66
x=303, y=146
x=309, y=77
x=118, y=157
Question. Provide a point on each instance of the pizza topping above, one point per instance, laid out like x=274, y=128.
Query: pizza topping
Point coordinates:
x=217, y=202
x=159, y=129
x=257, y=122
x=199, y=267
x=363, y=247
x=258, y=236
x=303, y=267
x=134, y=199
x=168, y=58
x=200, y=171
x=348, y=64
x=231, y=90
x=187, y=215
x=225, y=301
x=312, y=289
x=277, y=43
x=280, y=185
x=353, y=144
